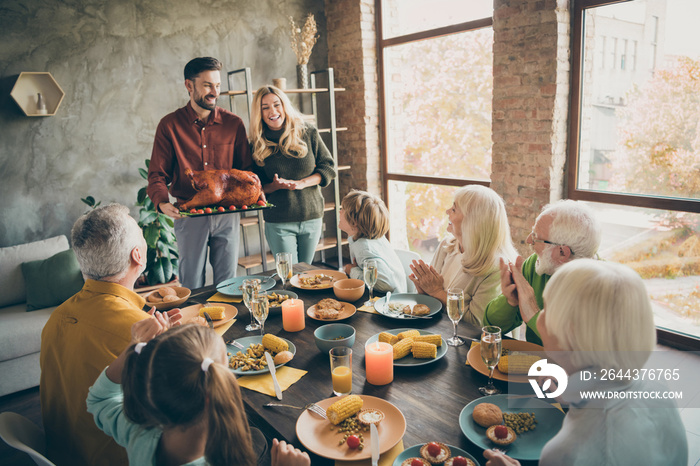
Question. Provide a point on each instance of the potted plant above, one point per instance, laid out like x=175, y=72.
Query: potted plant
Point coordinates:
x=158, y=229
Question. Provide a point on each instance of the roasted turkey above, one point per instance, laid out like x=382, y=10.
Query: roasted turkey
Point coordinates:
x=223, y=187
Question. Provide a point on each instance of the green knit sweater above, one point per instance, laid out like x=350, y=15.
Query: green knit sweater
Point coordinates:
x=298, y=205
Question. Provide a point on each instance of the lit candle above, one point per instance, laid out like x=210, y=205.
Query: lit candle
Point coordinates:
x=293, y=315
x=379, y=363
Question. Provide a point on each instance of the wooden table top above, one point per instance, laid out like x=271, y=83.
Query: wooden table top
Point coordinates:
x=430, y=396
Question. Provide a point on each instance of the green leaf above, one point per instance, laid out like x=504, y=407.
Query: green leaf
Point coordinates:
x=144, y=173
x=141, y=196
x=148, y=163
x=156, y=274
x=165, y=220
x=167, y=269
x=147, y=217
x=152, y=233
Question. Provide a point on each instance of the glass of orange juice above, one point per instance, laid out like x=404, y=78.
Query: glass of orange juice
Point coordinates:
x=341, y=370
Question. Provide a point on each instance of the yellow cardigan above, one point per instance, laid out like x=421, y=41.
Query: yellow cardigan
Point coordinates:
x=83, y=336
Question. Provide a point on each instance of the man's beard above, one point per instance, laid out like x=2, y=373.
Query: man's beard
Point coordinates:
x=545, y=265
x=204, y=104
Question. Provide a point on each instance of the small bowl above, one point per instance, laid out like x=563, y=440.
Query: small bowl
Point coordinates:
x=182, y=295
x=349, y=289
x=325, y=336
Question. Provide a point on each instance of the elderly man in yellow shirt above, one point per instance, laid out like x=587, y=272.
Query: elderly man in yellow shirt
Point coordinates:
x=87, y=332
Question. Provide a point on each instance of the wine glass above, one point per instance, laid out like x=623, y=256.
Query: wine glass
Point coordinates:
x=369, y=269
x=260, y=308
x=249, y=289
x=490, y=354
x=455, y=311
x=283, y=261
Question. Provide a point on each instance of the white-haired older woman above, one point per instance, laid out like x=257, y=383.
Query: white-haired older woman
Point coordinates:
x=598, y=316
x=468, y=258
x=293, y=164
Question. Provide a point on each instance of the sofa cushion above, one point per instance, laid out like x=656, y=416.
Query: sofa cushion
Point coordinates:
x=11, y=259
x=51, y=281
x=20, y=331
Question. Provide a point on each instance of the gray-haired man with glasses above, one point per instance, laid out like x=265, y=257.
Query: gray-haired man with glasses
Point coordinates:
x=564, y=231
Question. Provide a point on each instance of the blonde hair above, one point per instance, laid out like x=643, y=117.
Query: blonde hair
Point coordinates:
x=165, y=386
x=290, y=143
x=600, y=311
x=367, y=213
x=485, y=229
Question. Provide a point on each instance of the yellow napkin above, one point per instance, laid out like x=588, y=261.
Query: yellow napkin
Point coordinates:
x=222, y=298
x=474, y=343
x=385, y=459
x=369, y=308
x=222, y=329
x=262, y=383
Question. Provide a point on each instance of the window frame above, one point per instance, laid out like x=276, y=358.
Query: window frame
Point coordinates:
x=664, y=336
x=382, y=43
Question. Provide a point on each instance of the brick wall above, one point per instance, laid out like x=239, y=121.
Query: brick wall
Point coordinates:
x=352, y=53
x=530, y=107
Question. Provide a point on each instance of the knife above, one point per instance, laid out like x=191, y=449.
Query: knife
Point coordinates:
x=273, y=371
x=210, y=322
x=374, y=435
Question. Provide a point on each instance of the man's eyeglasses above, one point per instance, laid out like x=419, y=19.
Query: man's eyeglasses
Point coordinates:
x=535, y=239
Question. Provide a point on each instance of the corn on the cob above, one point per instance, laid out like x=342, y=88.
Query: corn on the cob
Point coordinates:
x=343, y=408
x=517, y=362
x=408, y=334
x=423, y=350
x=215, y=312
x=386, y=337
x=402, y=348
x=434, y=339
x=274, y=343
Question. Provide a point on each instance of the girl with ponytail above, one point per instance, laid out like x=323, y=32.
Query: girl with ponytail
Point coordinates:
x=180, y=403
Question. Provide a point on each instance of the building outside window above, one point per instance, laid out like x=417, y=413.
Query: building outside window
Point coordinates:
x=637, y=153
x=437, y=71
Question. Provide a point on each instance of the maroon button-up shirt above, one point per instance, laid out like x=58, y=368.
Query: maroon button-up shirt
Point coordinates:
x=184, y=141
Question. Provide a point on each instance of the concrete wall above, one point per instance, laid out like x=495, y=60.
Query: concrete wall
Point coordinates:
x=120, y=64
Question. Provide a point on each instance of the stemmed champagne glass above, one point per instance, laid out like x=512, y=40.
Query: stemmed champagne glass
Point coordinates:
x=250, y=288
x=260, y=308
x=283, y=261
x=490, y=354
x=455, y=311
x=369, y=269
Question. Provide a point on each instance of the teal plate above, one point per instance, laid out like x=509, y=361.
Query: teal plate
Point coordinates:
x=410, y=360
x=414, y=452
x=528, y=446
x=231, y=287
x=246, y=342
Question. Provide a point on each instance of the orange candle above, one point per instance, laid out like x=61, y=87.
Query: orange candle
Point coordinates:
x=293, y=315
x=379, y=363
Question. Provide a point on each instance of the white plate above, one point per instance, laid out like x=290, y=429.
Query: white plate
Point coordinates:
x=231, y=287
x=410, y=299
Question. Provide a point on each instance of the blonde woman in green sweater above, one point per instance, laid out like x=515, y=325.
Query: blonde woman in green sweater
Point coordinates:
x=293, y=164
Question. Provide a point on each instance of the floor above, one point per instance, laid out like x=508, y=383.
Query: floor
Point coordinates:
x=27, y=404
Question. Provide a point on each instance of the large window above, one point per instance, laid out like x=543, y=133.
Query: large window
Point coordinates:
x=437, y=74
x=635, y=152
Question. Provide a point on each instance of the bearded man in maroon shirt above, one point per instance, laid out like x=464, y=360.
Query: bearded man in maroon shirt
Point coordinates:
x=199, y=136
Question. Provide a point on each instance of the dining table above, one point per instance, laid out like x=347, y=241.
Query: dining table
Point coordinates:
x=430, y=396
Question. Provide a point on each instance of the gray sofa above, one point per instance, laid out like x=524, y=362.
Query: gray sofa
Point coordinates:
x=20, y=331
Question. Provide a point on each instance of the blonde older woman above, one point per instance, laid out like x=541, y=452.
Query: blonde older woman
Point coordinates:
x=293, y=164
x=598, y=316
x=468, y=258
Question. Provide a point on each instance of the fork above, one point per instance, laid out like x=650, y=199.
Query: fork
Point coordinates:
x=313, y=407
x=235, y=343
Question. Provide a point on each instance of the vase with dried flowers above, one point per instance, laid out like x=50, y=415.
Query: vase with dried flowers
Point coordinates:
x=303, y=41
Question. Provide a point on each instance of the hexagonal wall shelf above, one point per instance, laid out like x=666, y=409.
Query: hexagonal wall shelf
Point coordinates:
x=31, y=83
